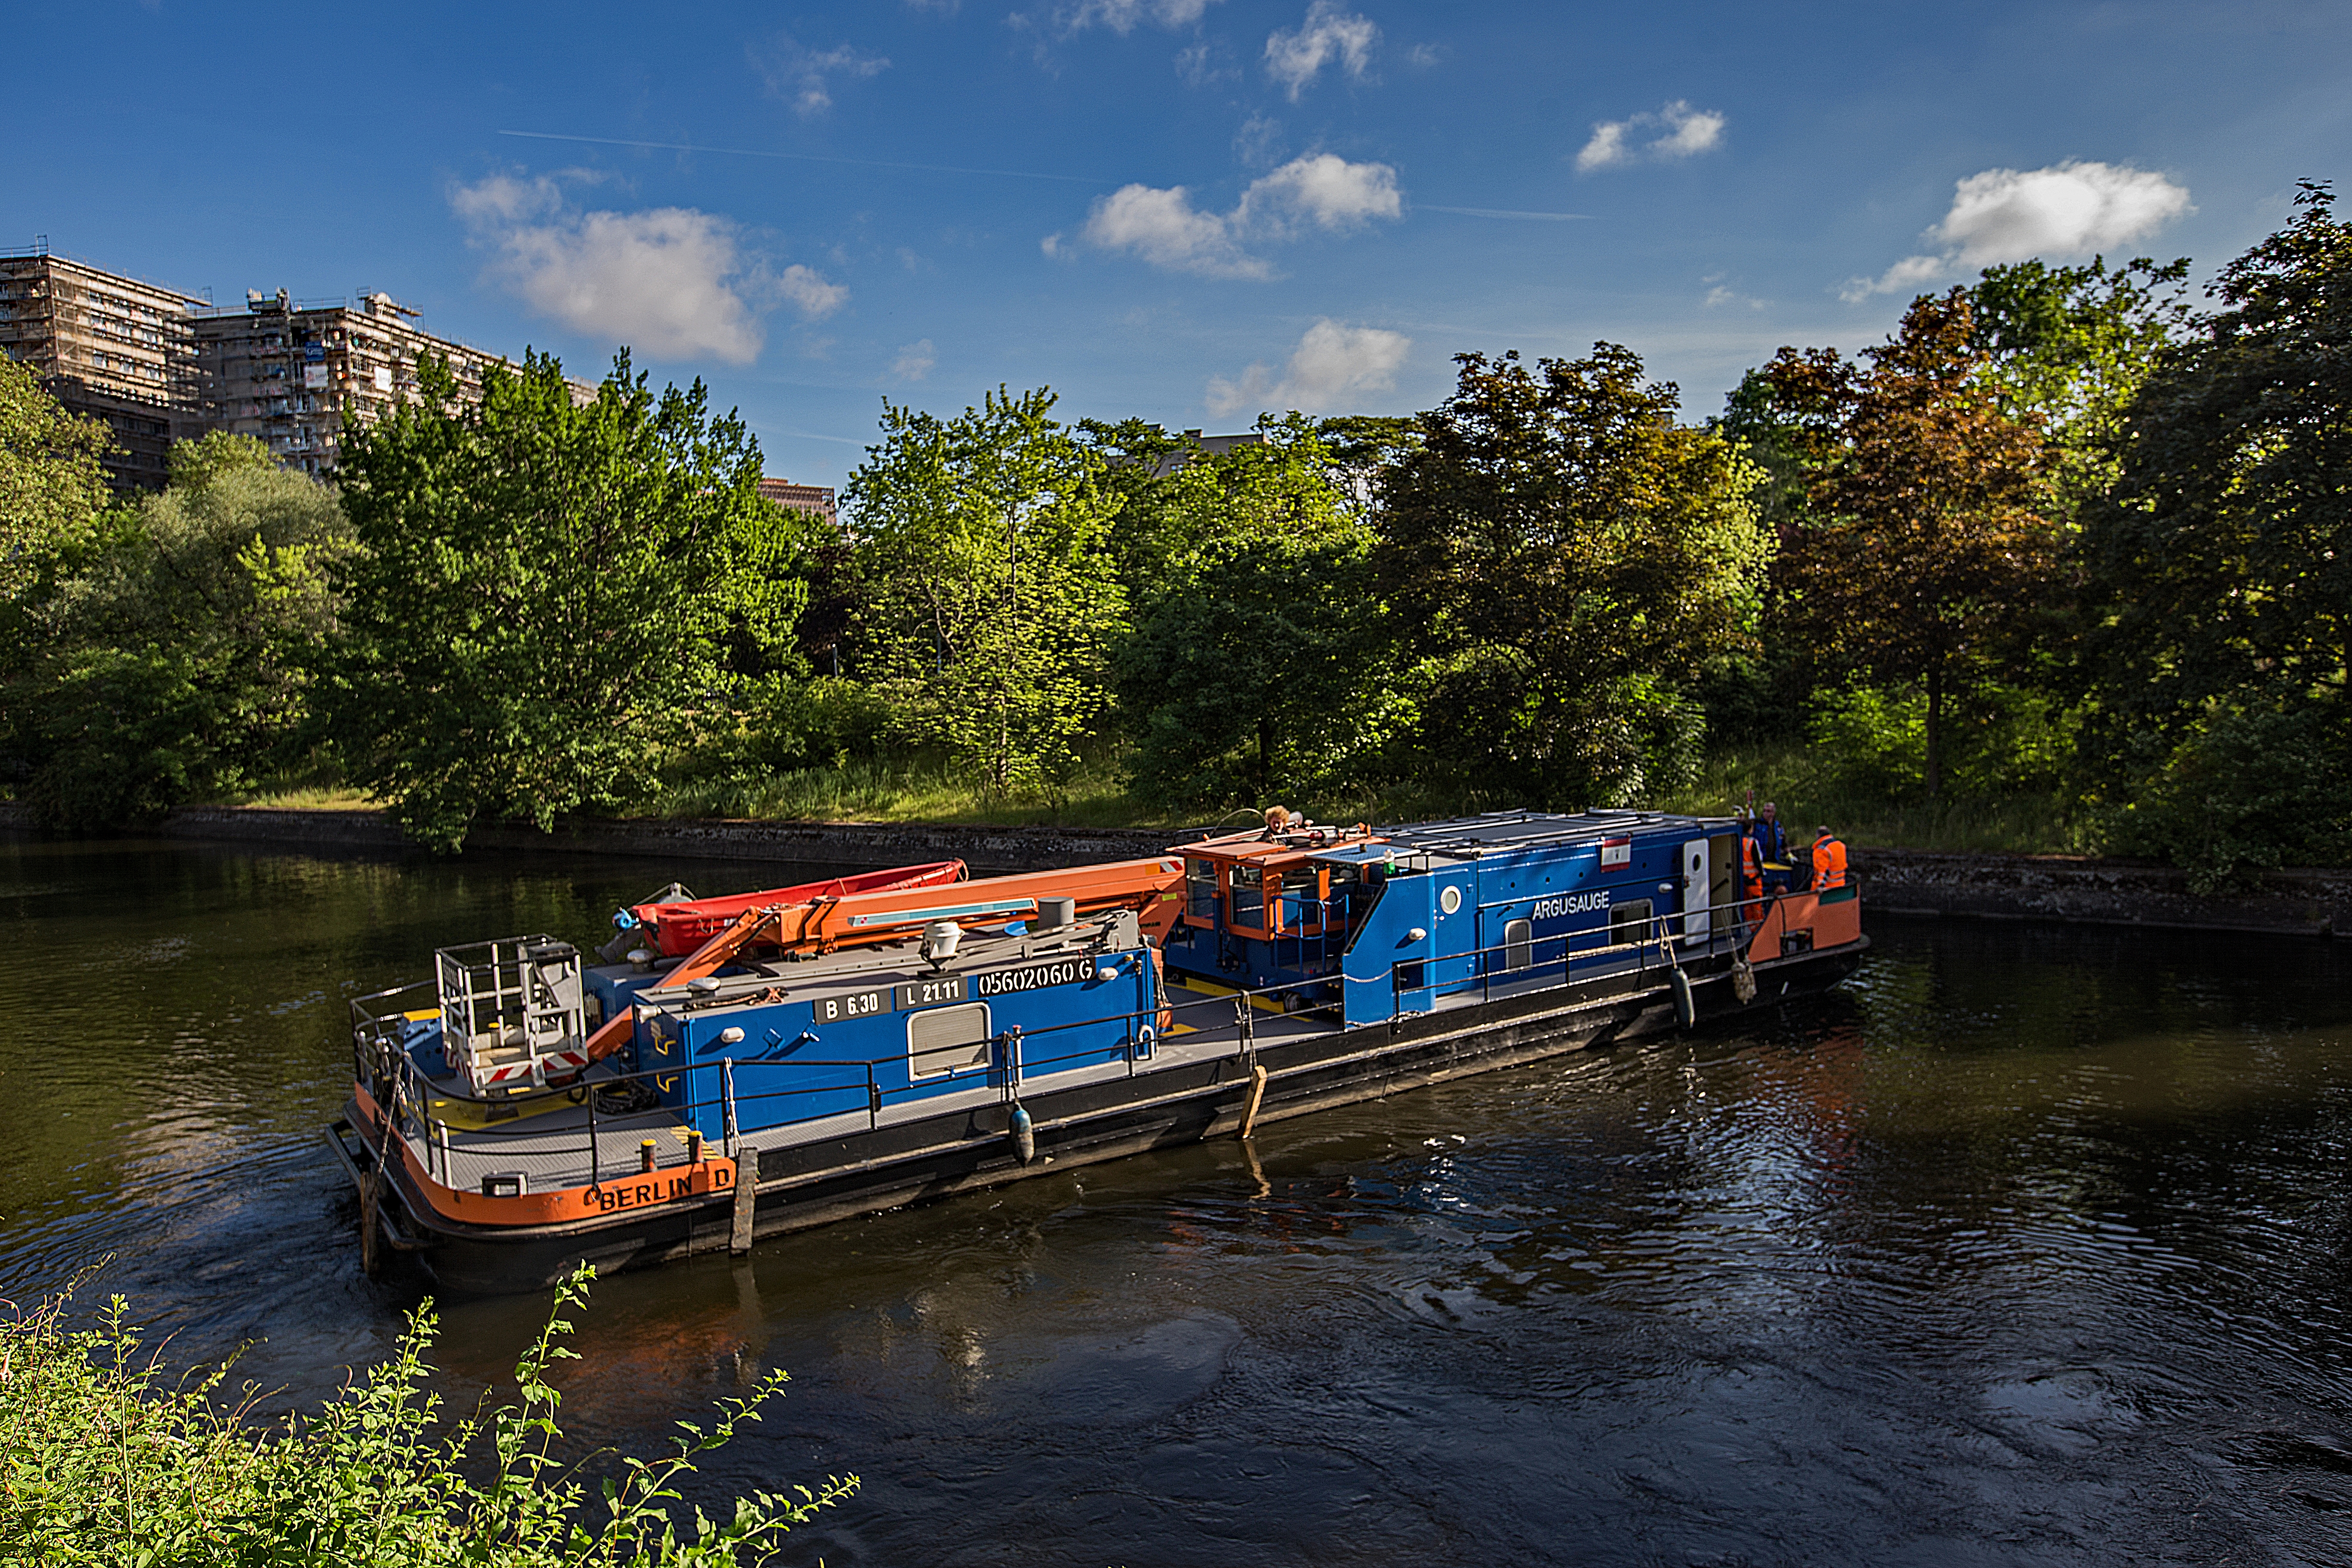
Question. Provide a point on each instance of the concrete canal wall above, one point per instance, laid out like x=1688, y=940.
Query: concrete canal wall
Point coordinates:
x=2308, y=903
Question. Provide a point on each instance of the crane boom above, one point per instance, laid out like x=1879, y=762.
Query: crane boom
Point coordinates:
x=1153, y=889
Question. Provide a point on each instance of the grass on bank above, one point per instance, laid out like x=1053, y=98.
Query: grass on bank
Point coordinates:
x=1806, y=785
x=108, y=1461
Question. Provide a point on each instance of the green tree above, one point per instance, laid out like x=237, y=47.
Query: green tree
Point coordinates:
x=2068, y=347
x=1927, y=543
x=184, y=647
x=2220, y=573
x=990, y=596
x=52, y=487
x=1566, y=557
x=52, y=498
x=1261, y=660
x=549, y=593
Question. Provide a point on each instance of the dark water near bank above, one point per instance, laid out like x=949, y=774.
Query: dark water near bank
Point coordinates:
x=2032, y=1245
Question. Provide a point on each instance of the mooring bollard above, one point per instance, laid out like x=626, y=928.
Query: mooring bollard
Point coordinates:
x=646, y=1156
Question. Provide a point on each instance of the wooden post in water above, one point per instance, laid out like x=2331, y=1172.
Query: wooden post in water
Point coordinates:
x=747, y=1198
x=1256, y=1094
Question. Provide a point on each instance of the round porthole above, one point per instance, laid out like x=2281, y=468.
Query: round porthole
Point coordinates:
x=1450, y=900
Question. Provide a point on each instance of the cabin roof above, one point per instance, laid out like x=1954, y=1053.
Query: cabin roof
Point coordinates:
x=1509, y=832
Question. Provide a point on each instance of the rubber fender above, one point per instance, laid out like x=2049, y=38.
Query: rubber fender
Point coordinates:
x=1024, y=1135
x=1686, y=1007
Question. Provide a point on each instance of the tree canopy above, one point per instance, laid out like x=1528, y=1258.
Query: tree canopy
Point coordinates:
x=2220, y=568
x=184, y=647
x=1927, y=536
x=548, y=592
x=991, y=596
x=1261, y=660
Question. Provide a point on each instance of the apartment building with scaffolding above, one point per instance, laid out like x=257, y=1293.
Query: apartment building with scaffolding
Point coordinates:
x=110, y=347
x=159, y=366
x=289, y=372
x=817, y=500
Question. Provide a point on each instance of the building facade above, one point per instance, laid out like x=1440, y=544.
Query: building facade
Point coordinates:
x=289, y=372
x=159, y=366
x=816, y=499
x=110, y=347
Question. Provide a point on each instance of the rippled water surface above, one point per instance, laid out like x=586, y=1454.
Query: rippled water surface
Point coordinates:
x=2029, y=1246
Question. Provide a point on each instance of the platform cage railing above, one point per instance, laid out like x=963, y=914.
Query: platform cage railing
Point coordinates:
x=606, y=1099
x=512, y=1011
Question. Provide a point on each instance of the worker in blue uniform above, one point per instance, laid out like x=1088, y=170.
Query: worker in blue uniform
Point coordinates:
x=1772, y=847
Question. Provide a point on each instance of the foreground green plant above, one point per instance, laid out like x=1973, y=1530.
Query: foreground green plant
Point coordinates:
x=107, y=1463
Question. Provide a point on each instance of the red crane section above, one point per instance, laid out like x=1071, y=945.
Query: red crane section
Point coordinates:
x=1153, y=889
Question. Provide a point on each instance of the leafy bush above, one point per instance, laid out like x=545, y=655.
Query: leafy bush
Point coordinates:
x=2247, y=791
x=107, y=1463
x=1998, y=739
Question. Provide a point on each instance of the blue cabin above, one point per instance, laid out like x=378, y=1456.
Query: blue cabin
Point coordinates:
x=1394, y=921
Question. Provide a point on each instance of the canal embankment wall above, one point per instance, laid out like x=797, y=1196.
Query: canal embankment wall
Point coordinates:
x=1982, y=886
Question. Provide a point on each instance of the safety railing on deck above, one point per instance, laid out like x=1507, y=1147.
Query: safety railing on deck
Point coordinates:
x=611, y=1101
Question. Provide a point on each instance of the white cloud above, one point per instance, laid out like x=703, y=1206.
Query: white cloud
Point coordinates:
x=1166, y=229
x=1676, y=130
x=804, y=75
x=810, y=293
x=1328, y=34
x=1259, y=140
x=2068, y=209
x=915, y=361
x=1123, y=17
x=1326, y=188
x=672, y=282
x=1331, y=366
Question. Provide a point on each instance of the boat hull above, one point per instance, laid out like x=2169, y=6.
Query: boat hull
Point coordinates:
x=799, y=1185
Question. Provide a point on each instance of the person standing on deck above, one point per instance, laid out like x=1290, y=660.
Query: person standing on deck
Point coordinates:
x=1772, y=847
x=1751, y=881
x=1829, y=860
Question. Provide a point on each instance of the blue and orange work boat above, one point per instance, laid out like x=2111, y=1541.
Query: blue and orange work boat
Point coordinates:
x=743, y=1067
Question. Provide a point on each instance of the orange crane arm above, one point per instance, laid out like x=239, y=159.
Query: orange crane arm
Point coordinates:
x=1153, y=889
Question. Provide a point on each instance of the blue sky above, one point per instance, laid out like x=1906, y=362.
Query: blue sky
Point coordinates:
x=1187, y=210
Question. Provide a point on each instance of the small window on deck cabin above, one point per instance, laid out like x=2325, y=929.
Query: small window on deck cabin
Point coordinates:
x=947, y=1040
x=1200, y=888
x=1629, y=922
x=1518, y=945
x=1249, y=897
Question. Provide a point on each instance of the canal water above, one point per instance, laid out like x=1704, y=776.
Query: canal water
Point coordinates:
x=2031, y=1245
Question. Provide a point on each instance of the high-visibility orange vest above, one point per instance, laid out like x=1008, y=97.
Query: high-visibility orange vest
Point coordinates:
x=1828, y=863
x=1751, y=865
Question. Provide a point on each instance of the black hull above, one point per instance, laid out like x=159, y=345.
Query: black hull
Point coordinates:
x=814, y=1184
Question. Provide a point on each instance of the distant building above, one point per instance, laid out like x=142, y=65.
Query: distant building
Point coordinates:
x=110, y=347
x=288, y=371
x=161, y=366
x=1198, y=444
x=815, y=499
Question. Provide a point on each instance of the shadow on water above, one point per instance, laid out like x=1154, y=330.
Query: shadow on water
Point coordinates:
x=2029, y=1245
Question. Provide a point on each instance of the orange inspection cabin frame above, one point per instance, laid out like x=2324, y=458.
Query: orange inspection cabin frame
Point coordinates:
x=1265, y=868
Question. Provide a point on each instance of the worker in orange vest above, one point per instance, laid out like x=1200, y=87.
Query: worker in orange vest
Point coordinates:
x=1829, y=860
x=1752, y=879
